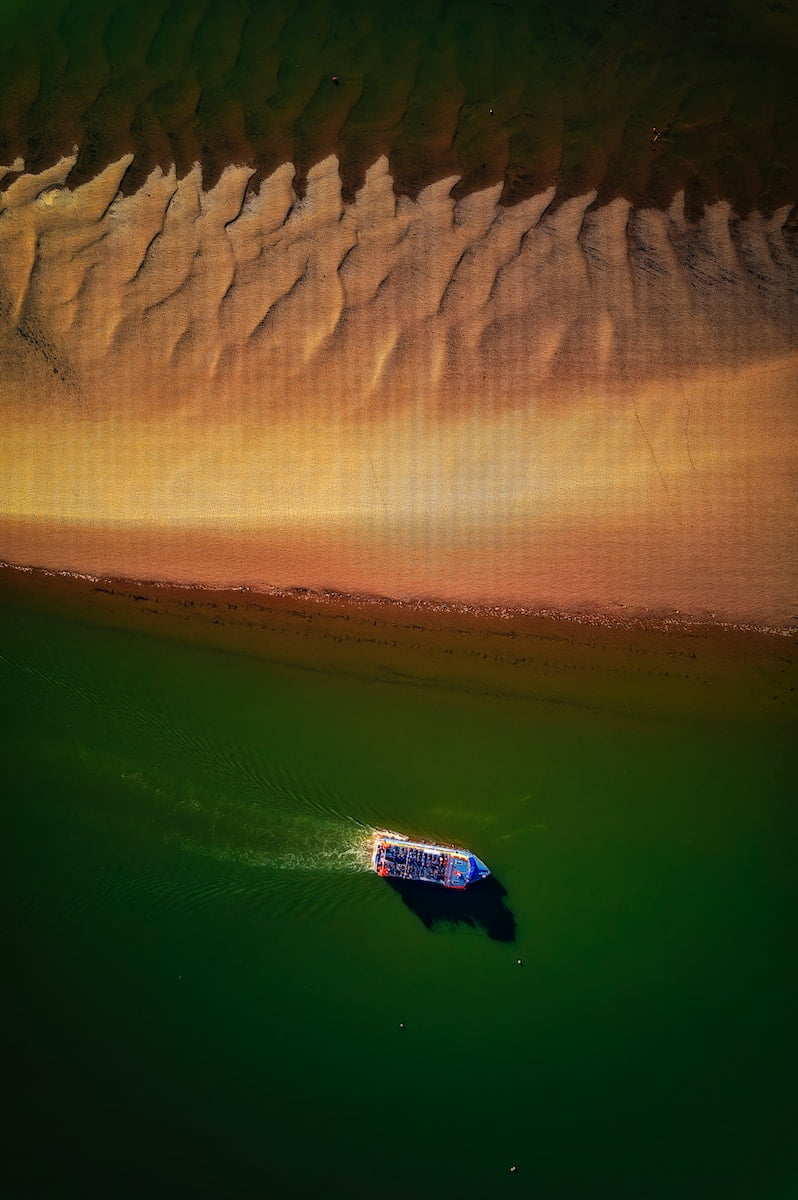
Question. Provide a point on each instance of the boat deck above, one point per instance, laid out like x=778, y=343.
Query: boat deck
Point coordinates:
x=401, y=860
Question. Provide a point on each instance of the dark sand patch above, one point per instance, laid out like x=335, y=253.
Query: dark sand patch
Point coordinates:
x=531, y=96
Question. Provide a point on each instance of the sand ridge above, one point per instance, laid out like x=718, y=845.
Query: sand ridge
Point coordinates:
x=359, y=301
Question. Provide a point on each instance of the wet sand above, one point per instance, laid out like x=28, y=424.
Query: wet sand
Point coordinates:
x=523, y=96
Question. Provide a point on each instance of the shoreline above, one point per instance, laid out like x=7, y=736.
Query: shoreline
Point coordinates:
x=654, y=670
x=659, y=621
x=602, y=577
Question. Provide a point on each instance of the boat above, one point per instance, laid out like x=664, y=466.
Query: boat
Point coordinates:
x=395, y=856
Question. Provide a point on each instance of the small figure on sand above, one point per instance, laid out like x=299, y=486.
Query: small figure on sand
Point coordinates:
x=335, y=80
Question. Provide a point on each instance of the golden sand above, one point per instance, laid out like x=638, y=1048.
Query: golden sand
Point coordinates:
x=585, y=408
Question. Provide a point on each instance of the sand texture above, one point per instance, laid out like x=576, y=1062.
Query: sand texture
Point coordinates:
x=573, y=404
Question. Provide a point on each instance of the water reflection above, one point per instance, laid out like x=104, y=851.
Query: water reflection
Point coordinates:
x=481, y=906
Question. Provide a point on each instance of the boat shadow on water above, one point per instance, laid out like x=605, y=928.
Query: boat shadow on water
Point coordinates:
x=481, y=906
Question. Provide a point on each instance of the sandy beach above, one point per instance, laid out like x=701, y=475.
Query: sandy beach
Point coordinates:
x=554, y=404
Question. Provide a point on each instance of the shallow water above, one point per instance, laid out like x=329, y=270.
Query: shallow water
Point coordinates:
x=208, y=986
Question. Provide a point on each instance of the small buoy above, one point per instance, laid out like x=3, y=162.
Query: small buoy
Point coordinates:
x=401, y=1024
x=513, y=1170
x=520, y=962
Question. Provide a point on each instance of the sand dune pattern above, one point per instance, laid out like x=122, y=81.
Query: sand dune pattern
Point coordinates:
x=362, y=300
x=448, y=378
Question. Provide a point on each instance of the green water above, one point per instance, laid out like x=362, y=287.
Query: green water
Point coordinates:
x=204, y=987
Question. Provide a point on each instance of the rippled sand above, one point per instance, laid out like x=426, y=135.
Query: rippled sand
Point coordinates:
x=567, y=404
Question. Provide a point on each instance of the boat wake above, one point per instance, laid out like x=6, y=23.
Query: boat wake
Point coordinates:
x=294, y=846
x=236, y=804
